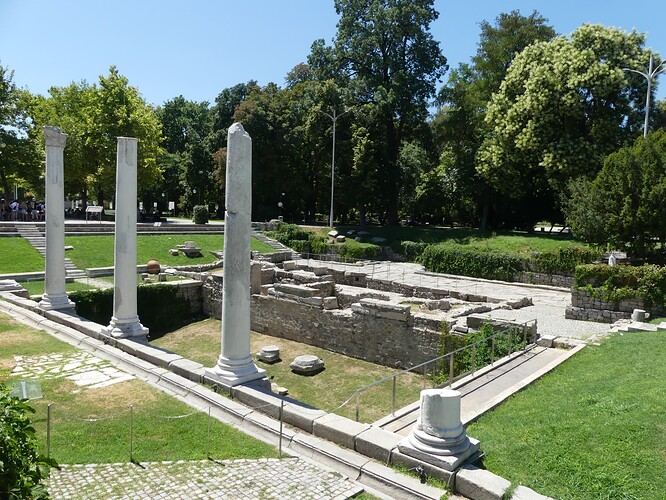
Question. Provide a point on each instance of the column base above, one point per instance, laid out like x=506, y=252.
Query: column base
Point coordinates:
x=56, y=302
x=231, y=372
x=123, y=329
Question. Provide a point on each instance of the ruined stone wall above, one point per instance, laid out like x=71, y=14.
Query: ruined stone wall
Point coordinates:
x=379, y=335
x=545, y=279
x=588, y=308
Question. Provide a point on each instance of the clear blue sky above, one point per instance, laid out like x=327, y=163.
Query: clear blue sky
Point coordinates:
x=197, y=48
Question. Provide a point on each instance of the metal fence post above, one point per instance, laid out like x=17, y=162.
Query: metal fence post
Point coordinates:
x=451, y=370
x=48, y=430
x=131, y=407
x=208, y=445
x=393, y=407
x=358, y=395
x=492, y=351
x=474, y=357
x=281, y=421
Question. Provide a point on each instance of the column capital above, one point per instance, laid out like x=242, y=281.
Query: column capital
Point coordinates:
x=54, y=137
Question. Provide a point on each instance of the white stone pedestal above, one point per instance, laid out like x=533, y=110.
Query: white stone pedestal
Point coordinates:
x=125, y=321
x=438, y=437
x=55, y=296
x=235, y=364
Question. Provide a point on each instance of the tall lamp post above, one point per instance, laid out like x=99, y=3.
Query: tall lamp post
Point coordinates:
x=333, y=117
x=649, y=74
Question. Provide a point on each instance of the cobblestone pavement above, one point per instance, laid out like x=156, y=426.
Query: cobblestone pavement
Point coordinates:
x=291, y=478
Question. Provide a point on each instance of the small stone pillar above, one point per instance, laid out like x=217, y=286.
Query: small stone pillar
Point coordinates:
x=255, y=278
x=438, y=437
x=125, y=321
x=55, y=296
x=235, y=364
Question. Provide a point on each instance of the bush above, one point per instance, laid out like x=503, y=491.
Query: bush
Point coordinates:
x=412, y=250
x=152, y=302
x=355, y=250
x=21, y=467
x=200, y=214
x=299, y=239
x=615, y=283
x=563, y=261
x=443, y=259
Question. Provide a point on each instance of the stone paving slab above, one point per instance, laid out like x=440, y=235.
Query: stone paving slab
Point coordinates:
x=290, y=478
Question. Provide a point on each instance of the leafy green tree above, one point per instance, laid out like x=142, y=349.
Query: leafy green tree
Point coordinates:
x=21, y=468
x=20, y=160
x=393, y=63
x=624, y=205
x=94, y=116
x=563, y=106
x=459, y=125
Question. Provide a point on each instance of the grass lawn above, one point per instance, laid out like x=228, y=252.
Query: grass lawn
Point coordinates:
x=511, y=242
x=97, y=251
x=593, y=428
x=19, y=256
x=37, y=287
x=327, y=390
x=92, y=425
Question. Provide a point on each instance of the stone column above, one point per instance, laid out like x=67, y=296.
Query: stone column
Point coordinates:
x=438, y=437
x=125, y=321
x=55, y=296
x=235, y=365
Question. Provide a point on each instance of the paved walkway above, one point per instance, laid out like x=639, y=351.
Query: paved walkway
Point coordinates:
x=287, y=478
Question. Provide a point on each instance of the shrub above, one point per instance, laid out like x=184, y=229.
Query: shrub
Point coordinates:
x=21, y=467
x=412, y=250
x=152, y=302
x=299, y=239
x=200, y=214
x=443, y=259
x=615, y=283
x=562, y=261
x=355, y=250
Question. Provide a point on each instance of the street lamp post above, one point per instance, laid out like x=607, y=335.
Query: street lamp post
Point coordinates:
x=333, y=117
x=649, y=74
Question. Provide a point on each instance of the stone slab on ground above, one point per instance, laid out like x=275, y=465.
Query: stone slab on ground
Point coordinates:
x=525, y=493
x=340, y=430
x=376, y=443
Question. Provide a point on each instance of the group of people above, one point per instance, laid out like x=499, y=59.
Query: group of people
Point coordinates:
x=21, y=210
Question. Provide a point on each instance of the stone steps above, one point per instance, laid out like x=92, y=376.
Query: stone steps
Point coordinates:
x=33, y=235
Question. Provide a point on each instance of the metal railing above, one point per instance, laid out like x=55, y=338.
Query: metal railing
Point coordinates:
x=517, y=341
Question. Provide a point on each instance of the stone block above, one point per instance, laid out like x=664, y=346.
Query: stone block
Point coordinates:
x=480, y=484
x=320, y=270
x=289, y=265
x=376, y=443
x=297, y=290
x=546, y=340
x=299, y=415
x=269, y=354
x=264, y=289
x=188, y=369
x=330, y=303
x=399, y=485
x=338, y=429
x=307, y=364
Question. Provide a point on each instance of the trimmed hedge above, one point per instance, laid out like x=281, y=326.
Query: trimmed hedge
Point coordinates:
x=444, y=259
x=158, y=306
x=200, y=214
x=299, y=239
x=355, y=250
x=615, y=283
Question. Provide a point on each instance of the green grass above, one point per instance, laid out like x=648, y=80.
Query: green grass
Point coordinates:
x=97, y=251
x=92, y=425
x=593, y=428
x=36, y=287
x=19, y=256
x=327, y=390
x=510, y=242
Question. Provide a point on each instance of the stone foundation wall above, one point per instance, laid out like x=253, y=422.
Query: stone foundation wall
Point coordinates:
x=370, y=332
x=588, y=308
x=545, y=279
x=192, y=291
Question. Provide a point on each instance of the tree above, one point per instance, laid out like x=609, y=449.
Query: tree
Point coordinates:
x=20, y=160
x=459, y=125
x=624, y=205
x=563, y=106
x=393, y=63
x=94, y=116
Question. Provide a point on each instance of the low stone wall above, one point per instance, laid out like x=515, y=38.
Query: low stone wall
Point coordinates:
x=545, y=279
x=585, y=307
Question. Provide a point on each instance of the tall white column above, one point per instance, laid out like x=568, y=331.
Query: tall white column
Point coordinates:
x=55, y=296
x=235, y=365
x=125, y=321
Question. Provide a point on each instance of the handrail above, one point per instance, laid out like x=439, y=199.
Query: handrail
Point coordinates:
x=523, y=326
